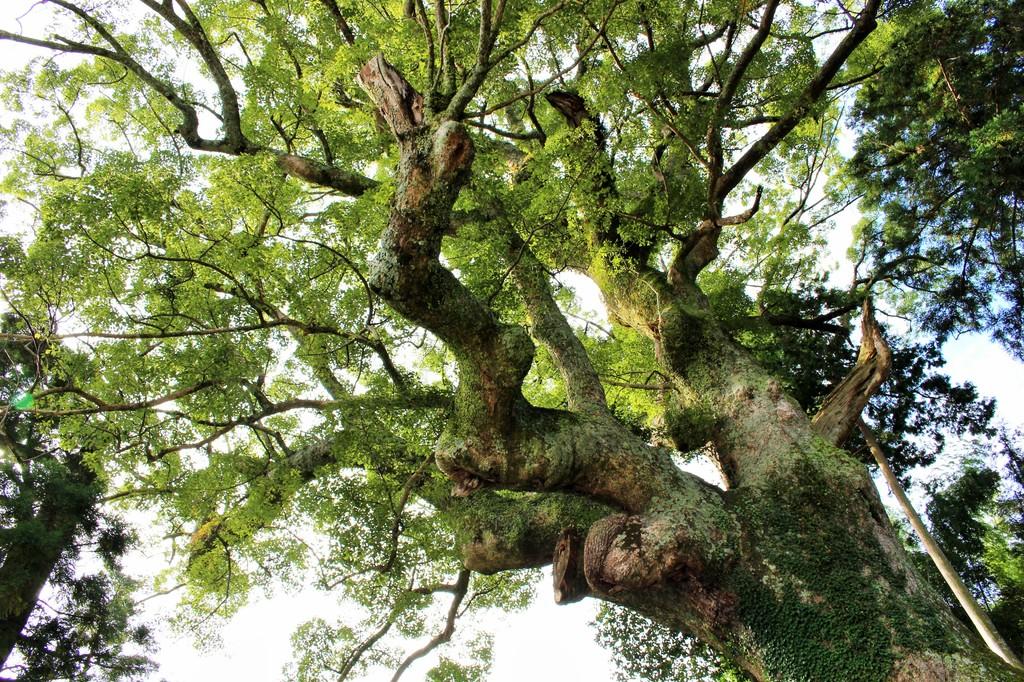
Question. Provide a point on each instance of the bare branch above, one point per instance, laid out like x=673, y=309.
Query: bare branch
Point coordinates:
x=461, y=587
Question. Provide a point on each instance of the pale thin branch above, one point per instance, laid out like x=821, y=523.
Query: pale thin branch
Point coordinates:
x=549, y=326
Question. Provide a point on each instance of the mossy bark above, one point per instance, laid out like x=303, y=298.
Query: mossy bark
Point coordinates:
x=793, y=571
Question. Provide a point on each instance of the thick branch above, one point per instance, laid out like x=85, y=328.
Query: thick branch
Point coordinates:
x=406, y=272
x=820, y=322
x=812, y=93
x=701, y=247
x=549, y=326
x=396, y=99
x=495, y=532
x=314, y=172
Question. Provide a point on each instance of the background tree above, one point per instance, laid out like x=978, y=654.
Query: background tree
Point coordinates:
x=59, y=617
x=315, y=329
x=939, y=160
x=976, y=514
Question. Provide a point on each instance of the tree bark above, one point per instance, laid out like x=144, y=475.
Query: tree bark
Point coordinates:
x=793, y=572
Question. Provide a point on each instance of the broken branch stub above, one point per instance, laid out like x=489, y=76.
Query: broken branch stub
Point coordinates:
x=398, y=102
x=842, y=407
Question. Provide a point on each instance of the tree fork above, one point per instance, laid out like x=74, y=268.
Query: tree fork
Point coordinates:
x=722, y=566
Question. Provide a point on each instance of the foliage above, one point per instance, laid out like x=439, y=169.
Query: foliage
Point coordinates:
x=207, y=314
x=939, y=161
x=644, y=650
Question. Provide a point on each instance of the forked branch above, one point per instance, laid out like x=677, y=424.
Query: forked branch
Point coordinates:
x=459, y=593
x=807, y=99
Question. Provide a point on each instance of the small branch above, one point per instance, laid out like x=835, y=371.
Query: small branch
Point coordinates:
x=365, y=645
x=818, y=322
x=543, y=85
x=854, y=80
x=102, y=406
x=638, y=386
x=461, y=587
x=532, y=135
x=339, y=21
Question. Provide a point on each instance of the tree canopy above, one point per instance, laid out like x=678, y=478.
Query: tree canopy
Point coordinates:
x=301, y=283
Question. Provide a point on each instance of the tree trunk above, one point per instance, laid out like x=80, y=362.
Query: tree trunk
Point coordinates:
x=793, y=572
x=817, y=585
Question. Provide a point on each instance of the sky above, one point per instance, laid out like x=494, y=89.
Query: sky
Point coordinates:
x=544, y=642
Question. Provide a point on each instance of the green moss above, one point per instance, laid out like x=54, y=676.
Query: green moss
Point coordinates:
x=511, y=524
x=685, y=337
x=828, y=605
x=692, y=426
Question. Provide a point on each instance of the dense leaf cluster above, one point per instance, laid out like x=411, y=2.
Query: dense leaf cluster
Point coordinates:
x=939, y=159
x=198, y=338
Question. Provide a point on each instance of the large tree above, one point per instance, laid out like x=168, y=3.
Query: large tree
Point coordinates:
x=296, y=270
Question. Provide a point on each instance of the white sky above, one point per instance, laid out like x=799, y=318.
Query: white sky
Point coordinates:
x=544, y=642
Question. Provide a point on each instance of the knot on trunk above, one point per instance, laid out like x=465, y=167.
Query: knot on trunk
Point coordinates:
x=628, y=552
x=452, y=153
x=632, y=552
